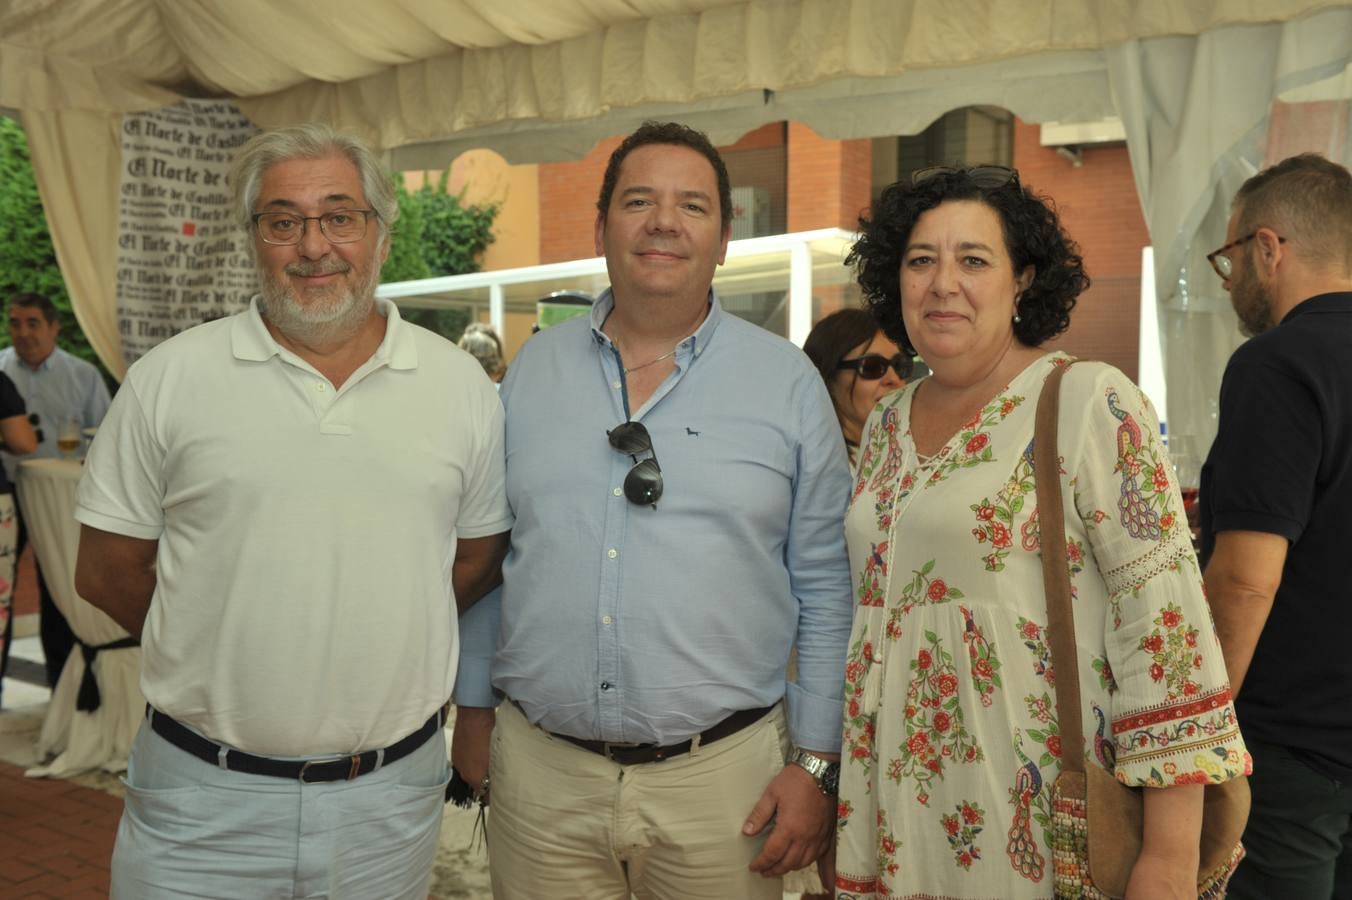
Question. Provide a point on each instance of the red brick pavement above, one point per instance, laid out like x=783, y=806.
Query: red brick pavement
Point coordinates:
x=56, y=838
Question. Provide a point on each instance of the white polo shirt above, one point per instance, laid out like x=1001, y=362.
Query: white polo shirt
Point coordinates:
x=306, y=535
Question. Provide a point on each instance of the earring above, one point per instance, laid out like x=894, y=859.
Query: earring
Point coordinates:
x=1017, y=318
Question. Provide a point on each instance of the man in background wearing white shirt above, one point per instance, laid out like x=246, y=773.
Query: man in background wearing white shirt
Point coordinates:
x=55, y=387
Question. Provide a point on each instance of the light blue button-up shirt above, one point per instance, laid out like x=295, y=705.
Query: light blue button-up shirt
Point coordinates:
x=627, y=623
x=63, y=386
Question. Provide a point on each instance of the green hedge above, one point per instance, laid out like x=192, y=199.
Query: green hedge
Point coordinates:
x=27, y=260
x=437, y=234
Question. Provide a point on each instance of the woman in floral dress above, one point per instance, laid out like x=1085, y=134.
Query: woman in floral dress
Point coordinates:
x=951, y=738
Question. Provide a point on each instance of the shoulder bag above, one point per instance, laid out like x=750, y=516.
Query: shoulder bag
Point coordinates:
x=1097, y=821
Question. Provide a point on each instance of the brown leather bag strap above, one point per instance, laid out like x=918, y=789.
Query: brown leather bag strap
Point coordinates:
x=1056, y=572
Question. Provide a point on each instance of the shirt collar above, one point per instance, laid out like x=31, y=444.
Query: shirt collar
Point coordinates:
x=44, y=366
x=1335, y=301
x=605, y=304
x=250, y=339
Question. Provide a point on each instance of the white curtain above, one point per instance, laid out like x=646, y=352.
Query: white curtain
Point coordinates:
x=1197, y=111
x=77, y=158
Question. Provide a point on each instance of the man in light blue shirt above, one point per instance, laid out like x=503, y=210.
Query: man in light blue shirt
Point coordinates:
x=56, y=387
x=678, y=482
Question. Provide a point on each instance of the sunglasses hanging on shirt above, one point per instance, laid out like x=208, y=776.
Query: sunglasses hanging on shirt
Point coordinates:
x=643, y=484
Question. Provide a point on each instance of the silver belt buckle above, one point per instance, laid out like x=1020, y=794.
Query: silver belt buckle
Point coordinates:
x=352, y=771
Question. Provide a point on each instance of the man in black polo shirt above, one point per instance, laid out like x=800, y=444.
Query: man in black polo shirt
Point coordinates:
x=1276, y=499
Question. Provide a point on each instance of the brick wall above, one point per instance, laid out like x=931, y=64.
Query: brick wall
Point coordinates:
x=1099, y=208
x=829, y=184
x=829, y=181
x=568, y=204
x=568, y=194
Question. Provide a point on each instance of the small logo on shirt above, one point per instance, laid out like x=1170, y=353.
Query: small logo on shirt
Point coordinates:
x=692, y=432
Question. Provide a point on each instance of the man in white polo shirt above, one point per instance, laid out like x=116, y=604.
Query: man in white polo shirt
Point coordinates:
x=288, y=506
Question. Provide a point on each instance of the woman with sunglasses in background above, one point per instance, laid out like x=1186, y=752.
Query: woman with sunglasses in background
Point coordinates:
x=951, y=741
x=860, y=366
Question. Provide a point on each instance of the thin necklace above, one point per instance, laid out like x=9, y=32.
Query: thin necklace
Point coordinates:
x=669, y=353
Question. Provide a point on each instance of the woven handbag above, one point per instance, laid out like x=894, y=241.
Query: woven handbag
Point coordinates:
x=1097, y=821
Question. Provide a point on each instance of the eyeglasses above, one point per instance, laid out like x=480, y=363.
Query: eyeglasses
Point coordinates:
x=982, y=176
x=1220, y=260
x=340, y=226
x=643, y=484
x=37, y=426
x=872, y=366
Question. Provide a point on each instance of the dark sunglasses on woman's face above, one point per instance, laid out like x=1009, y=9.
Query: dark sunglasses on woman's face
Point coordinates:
x=872, y=366
x=643, y=484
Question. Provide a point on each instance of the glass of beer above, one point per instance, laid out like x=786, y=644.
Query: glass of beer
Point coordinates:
x=68, y=438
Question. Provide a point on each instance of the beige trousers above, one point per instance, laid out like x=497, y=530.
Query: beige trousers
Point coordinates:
x=568, y=823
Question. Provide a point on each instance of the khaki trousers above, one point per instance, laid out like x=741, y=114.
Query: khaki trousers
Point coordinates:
x=568, y=823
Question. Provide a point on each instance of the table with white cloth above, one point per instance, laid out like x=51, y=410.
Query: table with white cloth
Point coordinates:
x=79, y=740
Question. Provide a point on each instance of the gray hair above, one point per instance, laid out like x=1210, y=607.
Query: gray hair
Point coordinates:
x=310, y=141
x=481, y=342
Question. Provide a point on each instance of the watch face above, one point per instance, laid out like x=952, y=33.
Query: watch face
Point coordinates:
x=830, y=782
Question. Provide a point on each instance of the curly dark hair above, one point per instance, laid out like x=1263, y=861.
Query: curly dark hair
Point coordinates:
x=1033, y=237
x=678, y=135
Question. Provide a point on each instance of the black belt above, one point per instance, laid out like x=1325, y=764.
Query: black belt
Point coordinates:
x=635, y=754
x=344, y=768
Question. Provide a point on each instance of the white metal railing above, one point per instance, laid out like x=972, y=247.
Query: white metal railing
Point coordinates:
x=788, y=264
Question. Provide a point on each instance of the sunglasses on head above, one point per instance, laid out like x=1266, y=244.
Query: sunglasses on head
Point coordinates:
x=872, y=366
x=982, y=176
x=643, y=484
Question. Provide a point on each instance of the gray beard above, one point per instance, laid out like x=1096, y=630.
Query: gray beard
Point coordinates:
x=316, y=324
x=1254, y=306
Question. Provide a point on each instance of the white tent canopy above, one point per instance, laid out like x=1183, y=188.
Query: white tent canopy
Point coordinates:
x=1193, y=81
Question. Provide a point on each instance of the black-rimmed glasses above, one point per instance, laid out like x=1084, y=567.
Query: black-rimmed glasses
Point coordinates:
x=340, y=226
x=982, y=176
x=872, y=366
x=643, y=484
x=1220, y=260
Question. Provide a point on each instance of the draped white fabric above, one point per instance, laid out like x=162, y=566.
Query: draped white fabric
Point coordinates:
x=459, y=64
x=541, y=80
x=79, y=740
x=1196, y=110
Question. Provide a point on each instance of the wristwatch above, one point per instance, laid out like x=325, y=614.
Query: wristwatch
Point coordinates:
x=826, y=774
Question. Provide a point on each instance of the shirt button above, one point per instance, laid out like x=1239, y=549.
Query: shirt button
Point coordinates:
x=320, y=388
x=612, y=553
x=618, y=492
x=615, y=385
x=606, y=620
x=605, y=685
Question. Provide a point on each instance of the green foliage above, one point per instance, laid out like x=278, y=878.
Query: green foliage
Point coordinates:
x=406, y=261
x=27, y=259
x=437, y=234
x=455, y=235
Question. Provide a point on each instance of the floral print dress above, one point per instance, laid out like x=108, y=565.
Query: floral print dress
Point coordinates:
x=951, y=742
